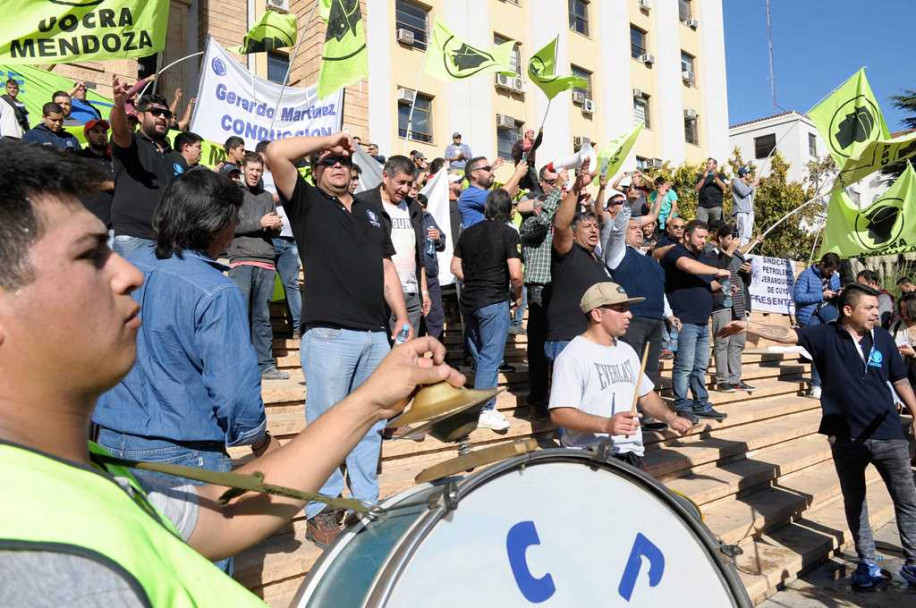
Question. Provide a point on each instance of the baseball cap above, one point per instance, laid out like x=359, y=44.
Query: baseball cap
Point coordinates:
x=605, y=294
x=455, y=177
x=91, y=124
x=456, y=134
x=743, y=171
x=229, y=168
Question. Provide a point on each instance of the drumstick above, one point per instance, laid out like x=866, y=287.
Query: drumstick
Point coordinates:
x=642, y=371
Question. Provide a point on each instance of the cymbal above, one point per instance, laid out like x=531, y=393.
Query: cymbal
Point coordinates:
x=439, y=401
x=476, y=459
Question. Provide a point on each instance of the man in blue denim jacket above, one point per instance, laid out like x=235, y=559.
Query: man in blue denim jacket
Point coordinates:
x=195, y=387
x=814, y=288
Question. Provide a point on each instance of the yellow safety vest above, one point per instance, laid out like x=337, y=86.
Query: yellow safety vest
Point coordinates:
x=49, y=504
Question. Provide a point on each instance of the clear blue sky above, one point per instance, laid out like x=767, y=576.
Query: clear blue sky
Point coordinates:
x=817, y=44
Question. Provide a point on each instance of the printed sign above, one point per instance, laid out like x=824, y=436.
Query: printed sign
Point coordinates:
x=232, y=101
x=772, y=285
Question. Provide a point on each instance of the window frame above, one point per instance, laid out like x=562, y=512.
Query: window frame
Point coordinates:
x=582, y=73
x=759, y=144
x=681, y=4
x=647, y=123
x=576, y=20
x=812, y=144
x=426, y=138
x=517, y=131
x=692, y=68
x=516, y=54
x=420, y=36
x=277, y=56
x=645, y=42
x=695, y=130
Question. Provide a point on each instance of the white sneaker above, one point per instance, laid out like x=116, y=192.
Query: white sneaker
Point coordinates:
x=493, y=420
x=815, y=392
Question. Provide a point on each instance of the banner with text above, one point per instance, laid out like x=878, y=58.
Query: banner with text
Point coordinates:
x=772, y=285
x=58, y=31
x=232, y=101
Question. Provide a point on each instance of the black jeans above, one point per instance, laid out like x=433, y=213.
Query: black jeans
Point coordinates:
x=537, y=334
x=641, y=331
x=892, y=459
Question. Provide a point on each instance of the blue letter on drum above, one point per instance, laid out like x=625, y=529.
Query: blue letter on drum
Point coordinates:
x=521, y=536
x=642, y=547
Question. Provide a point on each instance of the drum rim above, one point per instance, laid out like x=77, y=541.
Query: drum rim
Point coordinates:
x=395, y=564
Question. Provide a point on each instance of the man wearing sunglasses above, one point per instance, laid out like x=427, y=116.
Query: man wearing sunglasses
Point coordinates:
x=144, y=164
x=674, y=234
x=480, y=174
x=347, y=252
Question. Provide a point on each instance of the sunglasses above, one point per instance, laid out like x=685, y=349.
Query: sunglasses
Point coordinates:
x=550, y=182
x=330, y=161
x=673, y=227
x=159, y=112
x=486, y=168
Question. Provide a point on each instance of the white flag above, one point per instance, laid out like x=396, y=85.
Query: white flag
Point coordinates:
x=436, y=192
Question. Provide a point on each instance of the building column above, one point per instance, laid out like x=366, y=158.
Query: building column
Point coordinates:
x=669, y=102
x=614, y=35
x=379, y=36
x=714, y=120
x=547, y=19
x=469, y=107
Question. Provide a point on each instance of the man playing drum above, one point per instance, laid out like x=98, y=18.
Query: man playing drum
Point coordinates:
x=595, y=377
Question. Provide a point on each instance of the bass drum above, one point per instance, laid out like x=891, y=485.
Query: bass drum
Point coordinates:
x=556, y=527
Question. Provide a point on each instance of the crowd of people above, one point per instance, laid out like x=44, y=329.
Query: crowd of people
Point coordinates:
x=614, y=280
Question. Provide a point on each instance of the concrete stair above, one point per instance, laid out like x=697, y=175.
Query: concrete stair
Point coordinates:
x=763, y=478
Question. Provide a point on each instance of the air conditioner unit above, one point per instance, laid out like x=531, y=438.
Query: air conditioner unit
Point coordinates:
x=405, y=36
x=504, y=121
x=503, y=81
x=645, y=4
x=578, y=142
x=518, y=84
x=278, y=5
x=638, y=93
x=653, y=163
x=405, y=95
x=588, y=107
x=579, y=97
x=690, y=114
x=692, y=23
x=647, y=58
x=687, y=76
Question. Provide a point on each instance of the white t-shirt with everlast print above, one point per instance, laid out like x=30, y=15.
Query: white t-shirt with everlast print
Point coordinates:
x=599, y=380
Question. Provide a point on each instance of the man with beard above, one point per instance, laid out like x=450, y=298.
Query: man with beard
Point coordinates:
x=473, y=200
x=98, y=152
x=144, y=165
x=51, y=130
x=349, y=278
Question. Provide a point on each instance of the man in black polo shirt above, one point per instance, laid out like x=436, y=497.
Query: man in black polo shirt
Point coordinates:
x=857, y=359
x=711, y=186
x=349, y=277
x=689, y=282
x=574, y=267
x=98, y=153
x=144, y=164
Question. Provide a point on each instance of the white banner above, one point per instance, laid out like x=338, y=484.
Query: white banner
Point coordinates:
x=772, y=285
x=371, y=170
x=436, y=193
x=233, y=101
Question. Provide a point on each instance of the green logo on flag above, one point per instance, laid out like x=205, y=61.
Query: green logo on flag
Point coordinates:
x=345, y=59
x=853, y=122
x=343, y=21
x=881, y=224
x=449, y=58
x=464, y=61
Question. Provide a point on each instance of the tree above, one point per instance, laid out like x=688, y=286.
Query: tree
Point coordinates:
x=905, y=101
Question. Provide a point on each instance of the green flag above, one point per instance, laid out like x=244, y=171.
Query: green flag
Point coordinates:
x=849, y=120
x=887, y=226
x=273, y=31
x=875, y=157
x=542, y=70
x=346, y=57
x=615, y=152
x=41, y=32
x=449, y=58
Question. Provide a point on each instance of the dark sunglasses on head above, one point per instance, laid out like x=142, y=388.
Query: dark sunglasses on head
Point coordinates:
x=330, y=161
x=159, y=112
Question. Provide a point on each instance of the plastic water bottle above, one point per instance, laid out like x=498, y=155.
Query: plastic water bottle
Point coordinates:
x=672, y=339
x=727, y=291
x=430, y=247
x=402, y=335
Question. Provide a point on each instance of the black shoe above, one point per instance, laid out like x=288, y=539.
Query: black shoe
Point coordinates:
x=710, y=413
x=689, y=415
x=725, y=387
x=648, y=423
x=506, y=368
x=744, y=386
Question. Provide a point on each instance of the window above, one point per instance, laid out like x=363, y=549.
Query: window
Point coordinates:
x=421, y=124
x=764, y=145
x=812, y=144
x=515, y=58
x=587, y=76
x=642, y=163
x=684, y=10
x=413, y=17
x=505, y=139
x=687, y=68
x=691, y=132
x=641, y=111
x=578, y=16
x=277, y=66
x=637, y=42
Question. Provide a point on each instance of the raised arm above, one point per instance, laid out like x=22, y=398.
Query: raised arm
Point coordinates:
x=536, y=227
x=283, y=154
x=695, y=267
x=776, y=333
x=186, y=117
x=511, y=186
x=615, y=247
x=652, y=216
x=121, y=134
x=562, y=221
x=699, y=185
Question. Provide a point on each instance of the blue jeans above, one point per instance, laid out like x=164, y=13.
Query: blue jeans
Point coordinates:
x=257, y=286
x=488, y=328
x=520, y=311
x=202, y=456
x=336, y=362
x=690, y=368
x=553, y=348
x=286, y=255
x=125, y=245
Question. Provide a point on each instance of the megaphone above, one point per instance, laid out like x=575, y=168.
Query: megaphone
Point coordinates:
x=576, y=160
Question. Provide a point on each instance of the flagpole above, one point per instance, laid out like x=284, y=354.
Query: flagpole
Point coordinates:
x=292, y=61
x=817, y=195
x=816, y=237
x=547, y=111
x=416, y=92
x=832, y=91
